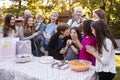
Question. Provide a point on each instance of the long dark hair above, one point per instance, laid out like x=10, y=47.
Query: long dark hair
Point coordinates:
x=87, y=28
x=28, y=30
x=102, y=31
x=78, y=32
x=7, y=25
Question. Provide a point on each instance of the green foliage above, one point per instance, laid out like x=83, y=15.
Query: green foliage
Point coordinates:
x=115, y=28
x=111, y=8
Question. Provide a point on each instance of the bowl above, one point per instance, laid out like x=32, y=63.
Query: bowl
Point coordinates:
x=79, y=65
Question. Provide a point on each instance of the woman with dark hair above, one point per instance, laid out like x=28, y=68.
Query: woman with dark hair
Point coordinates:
x=105, y=54
x=58, y=41
x=73, y=50
x=88, y=39
x=9, y=29
x=28, y=33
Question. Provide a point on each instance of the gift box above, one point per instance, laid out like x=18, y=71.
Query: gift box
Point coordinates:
x=24, y=47
x=8, y=49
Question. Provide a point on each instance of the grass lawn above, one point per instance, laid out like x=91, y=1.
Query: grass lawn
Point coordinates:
x=117, y=77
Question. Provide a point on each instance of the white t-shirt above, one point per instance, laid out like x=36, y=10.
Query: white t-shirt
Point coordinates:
x=74, y=24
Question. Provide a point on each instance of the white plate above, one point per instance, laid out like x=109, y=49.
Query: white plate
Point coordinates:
x=46, y=59
x=24, y=58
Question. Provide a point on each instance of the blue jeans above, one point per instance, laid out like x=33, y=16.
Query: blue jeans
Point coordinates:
x=42, y=42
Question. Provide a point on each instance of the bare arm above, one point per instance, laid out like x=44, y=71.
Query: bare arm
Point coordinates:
x=22, y=37
x=74, y=49
x=91, y=50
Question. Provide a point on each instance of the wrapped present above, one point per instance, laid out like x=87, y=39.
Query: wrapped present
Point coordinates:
x=8, y=48
x=24, y=47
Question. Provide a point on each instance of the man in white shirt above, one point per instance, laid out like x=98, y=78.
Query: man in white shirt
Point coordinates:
x=76, y=18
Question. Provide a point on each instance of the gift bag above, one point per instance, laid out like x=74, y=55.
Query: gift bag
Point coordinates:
x=24, y=47
x=8, y=48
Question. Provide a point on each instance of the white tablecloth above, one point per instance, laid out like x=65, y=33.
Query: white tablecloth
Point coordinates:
x=34, y=70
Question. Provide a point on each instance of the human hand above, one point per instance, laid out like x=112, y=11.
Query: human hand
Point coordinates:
x=16, y=34
x=69, y=42
x=35, y=34
x=63, y=51
x=90, y=49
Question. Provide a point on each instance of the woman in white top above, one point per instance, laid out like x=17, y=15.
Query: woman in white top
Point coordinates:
x=105, y=54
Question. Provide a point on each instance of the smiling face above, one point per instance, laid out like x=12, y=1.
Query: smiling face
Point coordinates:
x=12, y=21
x=78, y=13
x=30, y=22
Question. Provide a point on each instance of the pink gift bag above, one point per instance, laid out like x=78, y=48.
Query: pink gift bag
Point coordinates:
x=24, y=47
x=8, y=48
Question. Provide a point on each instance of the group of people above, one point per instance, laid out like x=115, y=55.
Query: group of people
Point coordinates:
x=79, y=38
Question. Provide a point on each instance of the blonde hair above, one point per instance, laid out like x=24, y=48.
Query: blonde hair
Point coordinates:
x=40, y=15
x=55, y=13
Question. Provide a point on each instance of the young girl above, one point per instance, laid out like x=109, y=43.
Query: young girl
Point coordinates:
x=51, y=27
x=40, y=26
x=58, y=41
x=9, y=29
x=105, y=54
x=88, y=39
x=73, y=50
x=28, y=33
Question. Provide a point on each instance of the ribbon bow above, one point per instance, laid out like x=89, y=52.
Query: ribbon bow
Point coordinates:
x=24, y=43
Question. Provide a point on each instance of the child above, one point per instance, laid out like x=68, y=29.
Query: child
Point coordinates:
x=58, y=41
x=73, y=50
x=88, y=39
x=40, y=26
x=105, y=54
x=50, y=27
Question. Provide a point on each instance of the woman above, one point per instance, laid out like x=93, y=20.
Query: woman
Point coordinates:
x=73, y=50
x=28, y=33
x=105, y=54
x=9, y=29
x=99, y=14
x=58, y=41
x=88, y=39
